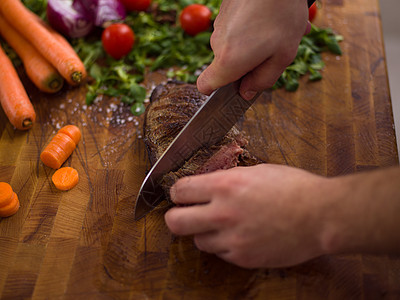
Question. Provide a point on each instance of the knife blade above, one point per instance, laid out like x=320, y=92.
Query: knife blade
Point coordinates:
x=208, y=126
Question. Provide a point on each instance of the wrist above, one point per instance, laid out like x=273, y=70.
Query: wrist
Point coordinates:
x=336, y=233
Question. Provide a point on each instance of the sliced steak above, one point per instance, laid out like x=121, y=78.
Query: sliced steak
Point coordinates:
x=172, y=105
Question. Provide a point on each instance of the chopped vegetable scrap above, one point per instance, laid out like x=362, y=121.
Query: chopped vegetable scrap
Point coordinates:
x=61, y=146
x=308, y=58
x=9, y=203
x=13, y=97
x=65, y=178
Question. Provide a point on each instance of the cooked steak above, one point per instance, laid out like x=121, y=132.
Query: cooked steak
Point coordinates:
x=172, y=105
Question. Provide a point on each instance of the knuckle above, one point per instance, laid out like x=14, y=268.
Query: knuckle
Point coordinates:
x=220, y=218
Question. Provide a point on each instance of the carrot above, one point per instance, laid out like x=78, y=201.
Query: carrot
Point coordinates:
x=61, y=146
x=9, y=203
x=13, y=97
x=65, y=178
x=68, y=64
x=61, y=39
x=73, y=132
x=11, y=208
x=5, y=193
x=39, y=70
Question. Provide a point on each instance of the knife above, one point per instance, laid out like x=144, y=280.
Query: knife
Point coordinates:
x=208, y=126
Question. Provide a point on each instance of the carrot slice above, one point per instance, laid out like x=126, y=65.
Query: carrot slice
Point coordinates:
x=6, y=193
x=67, y=63
x=11, y=208
x=65, y=178
x=61, y=146
x=39, y=70
x=72, y=131
x=13, y=97
x=57, y=151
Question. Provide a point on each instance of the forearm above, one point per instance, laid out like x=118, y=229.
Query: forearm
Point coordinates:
x=364, y=213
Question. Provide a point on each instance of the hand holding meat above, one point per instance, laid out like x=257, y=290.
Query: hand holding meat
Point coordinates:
x=256, y=39
x=276, y=216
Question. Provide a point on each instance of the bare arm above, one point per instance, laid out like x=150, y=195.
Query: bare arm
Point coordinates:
x=275, y=216
x=257, y=39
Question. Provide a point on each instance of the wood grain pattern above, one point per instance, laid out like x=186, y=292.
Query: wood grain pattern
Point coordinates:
x=84, y=243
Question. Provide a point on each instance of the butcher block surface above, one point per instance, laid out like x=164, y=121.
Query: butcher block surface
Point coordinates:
x=85, y=243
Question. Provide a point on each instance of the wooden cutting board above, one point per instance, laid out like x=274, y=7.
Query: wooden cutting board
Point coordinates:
x=85, y=244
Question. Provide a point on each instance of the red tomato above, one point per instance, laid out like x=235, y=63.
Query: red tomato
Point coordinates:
x=137, y=5
x=312, y=11
x=195, y=18
x=118, y=40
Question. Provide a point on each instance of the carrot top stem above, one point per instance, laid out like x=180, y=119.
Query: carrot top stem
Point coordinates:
x=27, y=123
x=55, y=83
x=76, y=77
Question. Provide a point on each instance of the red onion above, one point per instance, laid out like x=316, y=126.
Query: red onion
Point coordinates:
x=66, y=20
x=102, y=11
x=76, y=18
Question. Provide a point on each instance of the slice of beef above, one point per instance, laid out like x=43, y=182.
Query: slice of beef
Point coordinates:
x=172, y=105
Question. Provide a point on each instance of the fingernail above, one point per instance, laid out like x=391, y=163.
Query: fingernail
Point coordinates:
x=248, y=95
x=172, y=193
x=308, y=28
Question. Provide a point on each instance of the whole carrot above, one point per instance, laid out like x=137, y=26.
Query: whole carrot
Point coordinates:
x=13, y=97
x=39, y=70
x=60, y=147
x=68, y=64
x=61, y=39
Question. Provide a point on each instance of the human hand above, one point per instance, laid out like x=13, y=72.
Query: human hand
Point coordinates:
x=255, y=40
x=260, y=216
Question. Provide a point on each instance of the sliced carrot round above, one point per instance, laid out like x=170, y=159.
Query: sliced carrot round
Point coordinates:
x=6, y=193
x=72, y=131
x=52, y=156
x=57, y=151
x=11, y=208
x=65, y=178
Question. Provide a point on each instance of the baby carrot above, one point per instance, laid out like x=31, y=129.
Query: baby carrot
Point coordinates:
x=68, y=64
x=13, y=97
x=9, y=203
x=39, y=70
x=61, y=146
x=11, y=208
x=65, y=178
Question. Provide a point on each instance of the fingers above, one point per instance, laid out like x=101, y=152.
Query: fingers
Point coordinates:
x=211, y=242
x=216, y=76
x=192, y=190
x=189, y=220
x=265, y=75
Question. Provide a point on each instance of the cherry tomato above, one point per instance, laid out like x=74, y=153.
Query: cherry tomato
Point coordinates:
x=312, y=11
x=195, y=18
x=136, y=5
x=118, y=40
